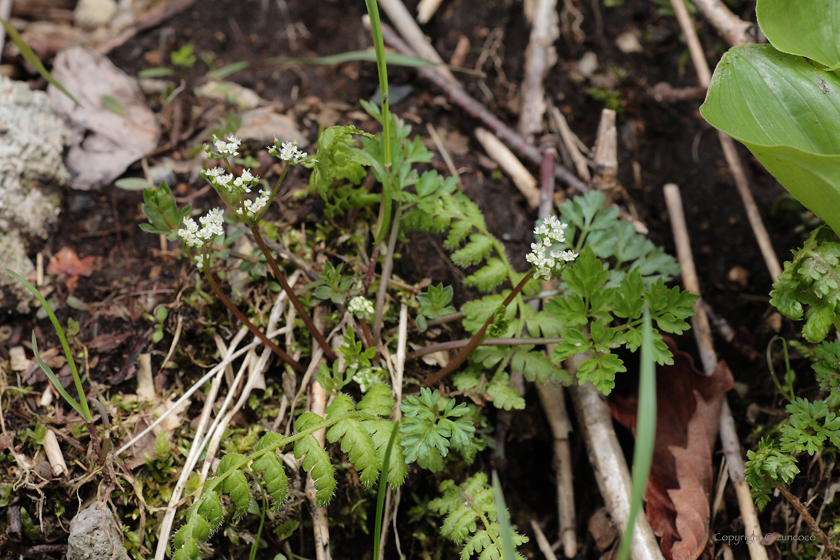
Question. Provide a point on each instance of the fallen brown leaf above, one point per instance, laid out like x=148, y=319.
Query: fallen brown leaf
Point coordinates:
x=688, y=415
x=68, y=264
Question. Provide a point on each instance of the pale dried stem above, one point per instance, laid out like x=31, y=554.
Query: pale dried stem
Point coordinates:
x=703, y=335
x=704, y=74
x=320, y=525
x=608, y=463
x=426, y=9
x=522, y=178
x=542, y=542
x=387, y=267
x=606, y=154
x=54, y=454
x=410, y=31
x=561, y=126
x=732, y=28
x=539, y=57
x=478, y=111
x=192, y=458
x=444, y=153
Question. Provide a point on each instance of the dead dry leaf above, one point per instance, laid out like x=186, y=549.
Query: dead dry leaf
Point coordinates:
x=688, y=416
x=105, y=142
x=67, y=263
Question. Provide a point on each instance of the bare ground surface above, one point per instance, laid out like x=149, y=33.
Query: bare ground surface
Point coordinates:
x=665, y=142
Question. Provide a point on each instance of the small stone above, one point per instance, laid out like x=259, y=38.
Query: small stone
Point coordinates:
x=628, y=43
x=18, y=359
x=88, y=537
x=774, y=321
x=90, y=14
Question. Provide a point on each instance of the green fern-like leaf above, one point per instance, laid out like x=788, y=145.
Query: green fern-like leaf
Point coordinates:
x=457, y=234
x=489, y=276
x=536, y=366
x=504, y=396
x=377, y=400
x=274, y=476
x=380, y=431
x=316, y=462
x=470, y=517
x=235, y=484
x=355, y=440
x=473, y=252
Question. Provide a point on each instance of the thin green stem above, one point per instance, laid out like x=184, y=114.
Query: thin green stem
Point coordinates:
x=251, y=327
x=382, y=70
x=383, y=488
x=387, y=265
x=278, y=274
x=475, y=341
x=273, y=193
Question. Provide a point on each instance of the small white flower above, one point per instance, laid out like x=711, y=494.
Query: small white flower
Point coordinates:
x=288, y=152
x=360, y=307
x=229, y=148
x=549, y=233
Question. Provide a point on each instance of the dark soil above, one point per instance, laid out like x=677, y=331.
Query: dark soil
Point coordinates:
x=666, y=142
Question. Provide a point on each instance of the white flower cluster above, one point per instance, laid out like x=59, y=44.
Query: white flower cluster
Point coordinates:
x=211, y=226
x=550, y=233
x=221, y=180
x=360, y=307
x=287, y=151
x=229, y=148
x=252, y=208
x=367, y=377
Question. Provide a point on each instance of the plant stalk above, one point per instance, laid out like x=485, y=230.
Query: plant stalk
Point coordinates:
x=251, y=327
x=453, y=344
x=278, y=274
x=475, y=341
x=806, y=515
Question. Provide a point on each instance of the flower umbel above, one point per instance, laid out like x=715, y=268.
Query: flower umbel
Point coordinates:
x=229, y=148
x=252, y=208
x=360, y=307
x=551, y=232
x=287, y=151
x=211, y=226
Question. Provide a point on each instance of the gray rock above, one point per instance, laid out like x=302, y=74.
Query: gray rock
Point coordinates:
x=13, y=295
x=32, y=139
x=89, y=539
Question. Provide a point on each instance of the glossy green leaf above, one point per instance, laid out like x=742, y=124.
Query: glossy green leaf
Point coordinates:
x=805, y=28
x=785, y=110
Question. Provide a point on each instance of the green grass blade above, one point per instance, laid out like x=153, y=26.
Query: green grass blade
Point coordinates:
x=33, y=59
x=508, y=549
x=85, y=411
x=645, y=433
x=380, y=496
x=54, y=379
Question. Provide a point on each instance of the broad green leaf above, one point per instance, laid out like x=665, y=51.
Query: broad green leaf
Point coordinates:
x=785, y=110
x=808, y=28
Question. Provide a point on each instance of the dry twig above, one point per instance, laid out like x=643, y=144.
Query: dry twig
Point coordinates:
x=733, y=29
x=728, y=145
x=539, y=57
x=703, y=335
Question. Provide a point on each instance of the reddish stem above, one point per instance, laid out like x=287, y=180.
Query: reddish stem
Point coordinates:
x=806, y=515
x=475, y=341
x=244, y=320
x=307, y=320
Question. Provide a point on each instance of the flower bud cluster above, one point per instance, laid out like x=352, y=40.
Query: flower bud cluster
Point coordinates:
x=211, y=226
x=287, y=151
x=360, y=307
x=550, y=233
